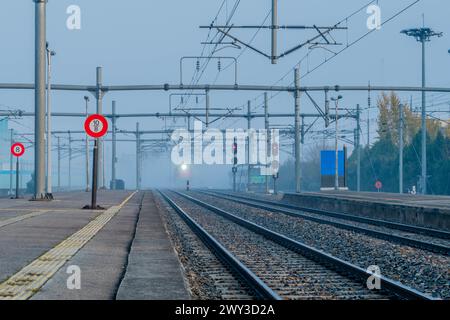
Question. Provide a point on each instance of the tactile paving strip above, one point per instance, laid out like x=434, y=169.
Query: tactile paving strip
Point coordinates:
x=28, y=281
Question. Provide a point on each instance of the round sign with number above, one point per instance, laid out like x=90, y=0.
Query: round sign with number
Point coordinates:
x=378, y=185
x=17, y=149
x=96, y=126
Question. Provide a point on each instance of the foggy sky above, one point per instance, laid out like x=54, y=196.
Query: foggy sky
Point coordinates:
x=141, y=42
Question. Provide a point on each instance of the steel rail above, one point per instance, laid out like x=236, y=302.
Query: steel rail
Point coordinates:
x=441, y=249
x=253, y=281
x=377, y=222
x=337, y=264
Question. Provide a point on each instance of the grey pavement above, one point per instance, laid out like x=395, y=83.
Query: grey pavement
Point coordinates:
x=154, y=271
x=24, y=241
x=131, y=257
x=101, y=261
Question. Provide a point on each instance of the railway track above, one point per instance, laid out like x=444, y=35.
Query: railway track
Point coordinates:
x=278, y=267
x=403, y=234
x=206, y=274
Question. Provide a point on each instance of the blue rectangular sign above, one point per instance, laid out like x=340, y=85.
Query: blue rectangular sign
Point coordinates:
x=327, y=162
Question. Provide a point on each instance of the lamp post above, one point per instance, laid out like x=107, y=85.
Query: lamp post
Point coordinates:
x=336, y=150
x=50, y=54
x=423, y=35
x=86, y=99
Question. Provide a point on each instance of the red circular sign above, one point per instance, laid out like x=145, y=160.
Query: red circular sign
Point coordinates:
x=17, y=149
x=96, y=126
x=378, y=185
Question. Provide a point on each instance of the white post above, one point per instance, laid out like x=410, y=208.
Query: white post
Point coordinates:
x=50, y=53
x=39, y=104
x=86, y=98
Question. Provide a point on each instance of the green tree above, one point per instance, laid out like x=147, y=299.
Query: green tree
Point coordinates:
x=381, y=160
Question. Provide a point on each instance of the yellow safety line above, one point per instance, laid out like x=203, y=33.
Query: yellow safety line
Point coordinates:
x=16, y=209
x=28, y=281
x=7, y=222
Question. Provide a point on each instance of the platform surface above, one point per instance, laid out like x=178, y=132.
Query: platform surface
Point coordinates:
x=426, y=201
x=29, y=231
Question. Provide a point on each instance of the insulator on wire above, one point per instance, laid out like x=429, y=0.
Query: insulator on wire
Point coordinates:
x=196, y=99
x=182, y=99
x=219, y=65
x=198, y=65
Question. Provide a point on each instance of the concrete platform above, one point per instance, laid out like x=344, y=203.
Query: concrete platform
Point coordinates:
x=427, y=201
x=426, y=211
x=29, y=231
x=153, y=271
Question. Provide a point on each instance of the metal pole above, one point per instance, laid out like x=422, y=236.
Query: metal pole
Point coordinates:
x=59, y=165
x=369, y=104
x=249, y=123
x=297, y=132
x=274, y=185
x=11, y=165
x=327, y=110
x=274, y=30
x=87, y=148
x=20, y=181
x=336, y=164
x=113, y=167
x=302, y=141
x=17, y=178
x=266, y=126
x=358, y=148
x=400, y=156
x=50, y=53
x=103, y=168
x=94, y=176
x=99, y=97
x=39, y=99
x=70, y=161
x=138, y=154
x=207, y=108
x=424, y=124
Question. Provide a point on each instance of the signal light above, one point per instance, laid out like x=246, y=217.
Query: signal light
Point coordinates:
x=235, y=150
x=275, y=149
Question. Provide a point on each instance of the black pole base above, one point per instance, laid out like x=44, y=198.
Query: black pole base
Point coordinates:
x=49, y=196
x=42, y=198
x=89, y=207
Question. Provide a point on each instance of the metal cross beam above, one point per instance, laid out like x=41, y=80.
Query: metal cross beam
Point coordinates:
x=203, y=87
x=18, y=114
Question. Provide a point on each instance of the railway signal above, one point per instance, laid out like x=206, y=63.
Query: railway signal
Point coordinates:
x=275, y=149
x=17, y=150
x=96, y=126
x=235, y=150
